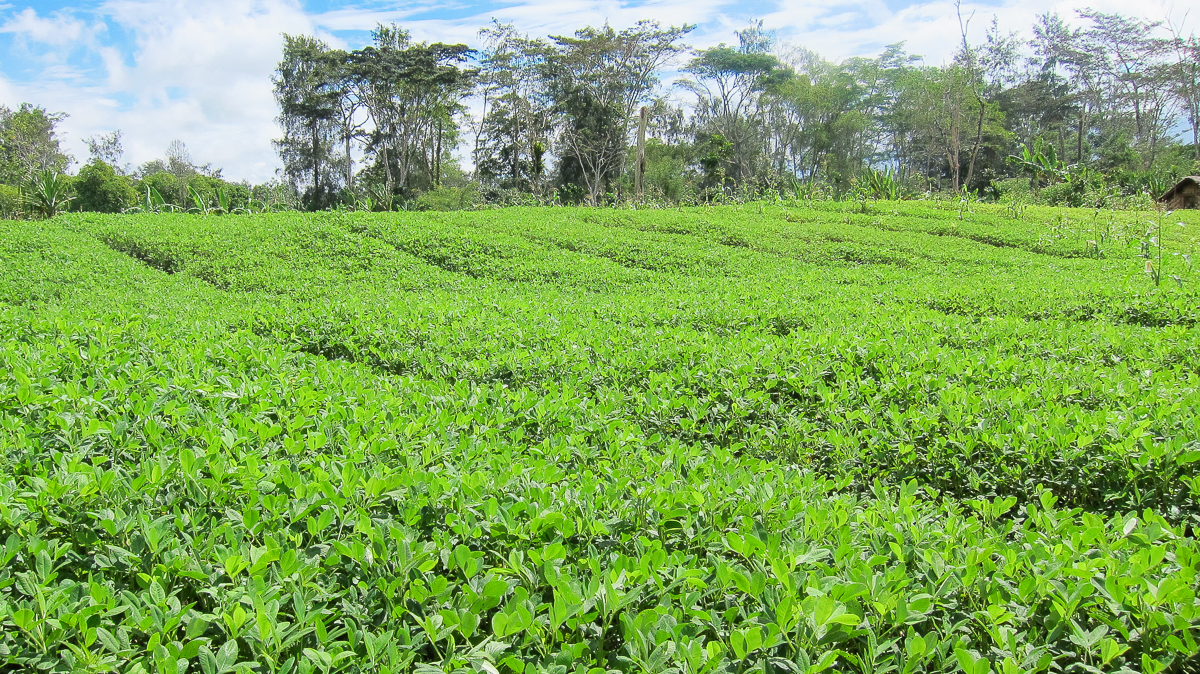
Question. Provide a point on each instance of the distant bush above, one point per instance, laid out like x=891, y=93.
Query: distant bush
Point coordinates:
x=209, y=187
x=10, y=201
x=170, y=187
x=47, y=193
x=1070, y=194
x=1090, y=191
x=448, y=199
x=1014, y=189
x=100, y=189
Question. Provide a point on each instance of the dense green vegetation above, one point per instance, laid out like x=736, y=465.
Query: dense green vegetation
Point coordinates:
x=856, y=437
x=1082, y=111
x=33, y=182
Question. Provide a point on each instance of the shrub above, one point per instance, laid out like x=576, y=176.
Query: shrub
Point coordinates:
x=10, y=201
x=167, y=185
x=99, y=188
x=1070, y=194
x=47, y=193
x=447, y=199
x=715, y=439
x=1014, y=189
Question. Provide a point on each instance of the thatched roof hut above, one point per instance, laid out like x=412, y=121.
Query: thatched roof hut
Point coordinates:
x=1185, y=194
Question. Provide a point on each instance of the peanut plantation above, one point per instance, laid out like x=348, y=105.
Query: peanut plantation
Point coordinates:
x=878, y=437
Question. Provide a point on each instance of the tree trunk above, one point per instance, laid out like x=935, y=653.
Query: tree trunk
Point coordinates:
x=952, y=156
x=349, y=166
x=641, y=154
x=479, y=132
x=316, y=150
x=978, y=140
x=437, y=162
x=1079, y=140
x=515, y=164
x=1196, y=136
x=387, y=166
x=1137, y=113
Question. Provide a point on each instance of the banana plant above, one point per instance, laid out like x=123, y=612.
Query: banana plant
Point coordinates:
x=47, y=193
x=1041, y=164
x=153, y=201
x=224, y=203
x=201, y=204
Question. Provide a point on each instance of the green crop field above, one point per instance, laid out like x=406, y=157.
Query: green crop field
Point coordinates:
x=907, y=437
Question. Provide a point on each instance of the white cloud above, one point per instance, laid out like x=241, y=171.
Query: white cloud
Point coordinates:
x=201, y=72
x=57, y=30
x=844, y=29
x=197, y=71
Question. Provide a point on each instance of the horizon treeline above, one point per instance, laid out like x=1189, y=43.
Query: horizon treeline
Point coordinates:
x=1068, y=114
x=34, y=180
x=1103, y=114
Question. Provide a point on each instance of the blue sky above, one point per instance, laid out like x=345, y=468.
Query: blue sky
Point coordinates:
x=199, y=70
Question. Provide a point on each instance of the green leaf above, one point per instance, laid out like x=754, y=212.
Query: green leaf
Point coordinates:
x=157, y=594
x=915, y=644
x=196, y=627
x=1187, y=457
x=191, y=650
x=319, y=658
x=754, y=639
x=467, y=624
x=737, y=641
x=460, y=557
x=208, y=662
x=971, y=664
x=227, y=656
x=1110, y=650
x=500, y=625
x=827, y=660
x=44, y=565
x=24, y=619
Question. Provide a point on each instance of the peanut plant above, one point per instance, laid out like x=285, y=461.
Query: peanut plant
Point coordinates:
x=784, y=438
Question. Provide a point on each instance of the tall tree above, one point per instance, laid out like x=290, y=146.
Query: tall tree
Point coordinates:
x=106, y=148
x=1128, y=60
x=309, y=96
x=818, y=121
x=1060, y=49
x=412, y=93
x=515, y=123
x=969, y=63
x=729, y=85
x=29, y=142
x=597, y=78
x=1183, y=68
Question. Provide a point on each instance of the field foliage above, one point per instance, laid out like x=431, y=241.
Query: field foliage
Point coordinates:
x=871, y=437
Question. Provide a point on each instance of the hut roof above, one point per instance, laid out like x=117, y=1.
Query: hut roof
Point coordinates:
x=1193, y=180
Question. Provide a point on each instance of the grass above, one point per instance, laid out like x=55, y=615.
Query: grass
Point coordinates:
x=578, y=440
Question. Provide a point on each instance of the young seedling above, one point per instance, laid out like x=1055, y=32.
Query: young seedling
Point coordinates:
x=1016, y=210
x=1154, y=259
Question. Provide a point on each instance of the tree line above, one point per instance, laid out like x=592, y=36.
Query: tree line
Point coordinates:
x=401, y=106
x=1088, y=114
x=1066, y=114
x=34, y=179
